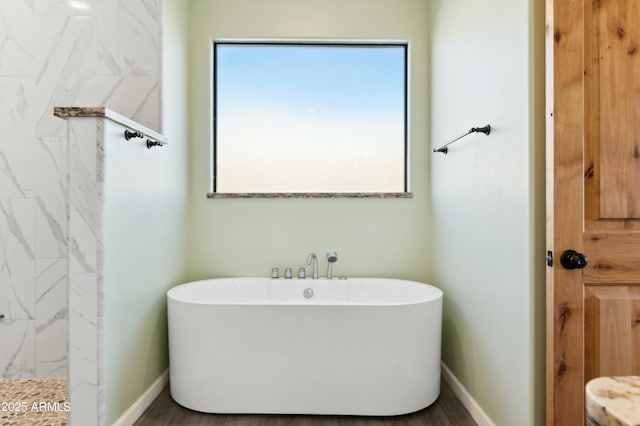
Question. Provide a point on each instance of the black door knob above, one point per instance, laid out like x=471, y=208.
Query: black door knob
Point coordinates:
x=571, y=259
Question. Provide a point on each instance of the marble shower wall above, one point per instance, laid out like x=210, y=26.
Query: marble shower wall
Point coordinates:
x=57, y=53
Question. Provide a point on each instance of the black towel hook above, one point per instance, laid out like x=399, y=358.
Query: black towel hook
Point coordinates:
x=128, y=134
x=151, y=144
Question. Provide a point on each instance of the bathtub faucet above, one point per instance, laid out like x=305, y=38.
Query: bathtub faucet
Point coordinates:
x=332, y=257
x=313, y=258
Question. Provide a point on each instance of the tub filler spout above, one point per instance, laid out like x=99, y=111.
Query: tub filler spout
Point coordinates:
x=313, y=259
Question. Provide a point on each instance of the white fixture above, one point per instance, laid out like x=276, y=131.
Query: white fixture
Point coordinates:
x=358, y=346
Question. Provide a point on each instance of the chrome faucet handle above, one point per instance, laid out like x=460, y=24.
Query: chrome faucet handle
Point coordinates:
x=288, y=273
x=302, y=273
x=275, y=273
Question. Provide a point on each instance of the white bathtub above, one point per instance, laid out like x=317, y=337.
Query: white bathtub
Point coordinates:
x=360, y=346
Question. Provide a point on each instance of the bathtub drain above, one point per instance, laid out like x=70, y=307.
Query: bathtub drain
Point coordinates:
x=307, y=293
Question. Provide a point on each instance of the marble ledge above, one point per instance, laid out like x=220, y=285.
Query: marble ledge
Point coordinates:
x=310, y=195
x=103, y=112
x=613, y=401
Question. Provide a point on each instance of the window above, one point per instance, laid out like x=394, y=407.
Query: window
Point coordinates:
x=310, y=118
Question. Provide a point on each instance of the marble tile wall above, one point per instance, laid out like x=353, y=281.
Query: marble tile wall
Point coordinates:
x=86, y=145
x=57, y=53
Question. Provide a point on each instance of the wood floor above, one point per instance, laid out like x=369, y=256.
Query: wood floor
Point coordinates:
x=446, y=411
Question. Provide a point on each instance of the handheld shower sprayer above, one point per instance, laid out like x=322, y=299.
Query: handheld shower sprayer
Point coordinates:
x=332, y=257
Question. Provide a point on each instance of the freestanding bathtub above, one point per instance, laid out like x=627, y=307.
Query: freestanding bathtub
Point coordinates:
x=356, y=346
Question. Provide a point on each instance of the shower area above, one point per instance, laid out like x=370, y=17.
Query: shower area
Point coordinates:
x=89, y=52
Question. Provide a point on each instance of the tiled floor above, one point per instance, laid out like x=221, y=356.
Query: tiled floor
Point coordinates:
x=33, y=402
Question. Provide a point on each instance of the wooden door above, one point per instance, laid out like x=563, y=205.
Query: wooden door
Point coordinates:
x=593, y=197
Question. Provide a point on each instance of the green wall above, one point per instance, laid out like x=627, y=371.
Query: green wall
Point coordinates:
x=247, y=237
x=488, y=200
x=145, y=215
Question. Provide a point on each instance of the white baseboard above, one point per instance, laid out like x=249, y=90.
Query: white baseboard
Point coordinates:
x=476, y=411
x=132, y=414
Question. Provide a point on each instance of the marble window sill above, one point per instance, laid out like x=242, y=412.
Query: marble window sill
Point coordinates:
x=310, y=195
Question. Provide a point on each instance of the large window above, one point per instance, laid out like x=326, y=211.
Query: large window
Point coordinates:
x=309, y=118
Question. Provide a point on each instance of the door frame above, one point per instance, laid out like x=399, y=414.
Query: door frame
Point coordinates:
x=564, y=116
